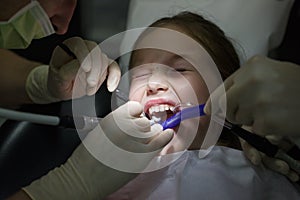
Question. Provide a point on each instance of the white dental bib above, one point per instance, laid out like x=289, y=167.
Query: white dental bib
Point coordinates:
x=223, y=174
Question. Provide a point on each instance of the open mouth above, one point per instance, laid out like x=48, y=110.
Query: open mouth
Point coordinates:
x=160, y=112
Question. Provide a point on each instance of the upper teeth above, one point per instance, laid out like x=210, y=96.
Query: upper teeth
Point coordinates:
x=160, y=108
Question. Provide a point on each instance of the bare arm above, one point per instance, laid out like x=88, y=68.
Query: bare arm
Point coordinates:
x=11, y=7
x=20, y=195
x=14, y=71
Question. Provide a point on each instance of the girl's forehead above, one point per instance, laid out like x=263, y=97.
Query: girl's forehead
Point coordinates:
x=145, y=56
x=170, y=44
x=163, y=36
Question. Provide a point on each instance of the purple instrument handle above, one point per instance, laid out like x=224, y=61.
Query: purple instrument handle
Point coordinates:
x=187, y=113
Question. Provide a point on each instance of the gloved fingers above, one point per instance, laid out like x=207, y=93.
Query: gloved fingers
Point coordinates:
x=60, y=82
x=277, y=165
x=160, y=140
x=139, y=128
x=129, y=111
x=99, y=64
x=114, y=76
x=134, y=109
x=142, y=124
x=81, y=49
x=59, y=58
x=283, y=143
x=93, y=68
x=92, y=61
x=220, y=110
x=69, y=71
x=97, y=75
x=281, y=167
x=218, y=96
x=274, y=139
x=238, y=115
x=234, y=108
x=251, y=153
x=146, y=132
x=274, y=164
x=94, y=56
x=127, y=119
x=293, y=176
x=91, y=90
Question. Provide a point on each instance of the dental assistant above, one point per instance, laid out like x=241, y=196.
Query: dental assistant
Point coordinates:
x=23, y=81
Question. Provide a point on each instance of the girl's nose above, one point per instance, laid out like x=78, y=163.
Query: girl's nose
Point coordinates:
x=157, y=83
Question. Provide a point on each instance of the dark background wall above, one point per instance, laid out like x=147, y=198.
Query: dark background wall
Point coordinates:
x=93, y=20
x=98, y=20
x=289, y=50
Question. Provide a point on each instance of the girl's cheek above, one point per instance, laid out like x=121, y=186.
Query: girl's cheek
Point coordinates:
x=136, y=94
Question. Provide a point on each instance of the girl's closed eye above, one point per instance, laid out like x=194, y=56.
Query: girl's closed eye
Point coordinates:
x=182, y=69
x=137, y=74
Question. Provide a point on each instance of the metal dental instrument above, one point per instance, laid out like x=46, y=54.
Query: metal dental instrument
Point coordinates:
x=121, y=95
x=67, y=50
x=79, y=122
x=82, y=122
x=258, y=142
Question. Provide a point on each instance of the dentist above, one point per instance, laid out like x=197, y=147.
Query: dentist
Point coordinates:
x=83, y=176
x=23, y=81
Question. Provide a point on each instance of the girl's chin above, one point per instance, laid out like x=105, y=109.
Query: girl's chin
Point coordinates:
x=184, y=138
x=177, y=144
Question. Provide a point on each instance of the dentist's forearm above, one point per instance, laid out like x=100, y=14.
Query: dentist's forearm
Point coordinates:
x=20, y=195
x=14, y=71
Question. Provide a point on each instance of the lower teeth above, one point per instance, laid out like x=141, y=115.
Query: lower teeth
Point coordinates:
x=156, y=119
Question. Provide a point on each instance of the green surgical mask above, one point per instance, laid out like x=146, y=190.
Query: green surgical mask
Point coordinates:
x=31, y=22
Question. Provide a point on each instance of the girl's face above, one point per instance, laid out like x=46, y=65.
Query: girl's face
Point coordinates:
x=160, y=80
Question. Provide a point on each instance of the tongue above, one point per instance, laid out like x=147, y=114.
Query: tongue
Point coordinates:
x=161, y=116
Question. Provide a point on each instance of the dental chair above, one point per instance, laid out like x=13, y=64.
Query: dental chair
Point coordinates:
x=28, y=151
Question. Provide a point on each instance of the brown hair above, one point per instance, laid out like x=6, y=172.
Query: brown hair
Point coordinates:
x=210, y=36
x=214, y=41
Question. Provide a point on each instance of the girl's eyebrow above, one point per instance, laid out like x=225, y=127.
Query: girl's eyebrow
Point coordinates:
x=180, y=58
x=177, y=57
x=185, y=57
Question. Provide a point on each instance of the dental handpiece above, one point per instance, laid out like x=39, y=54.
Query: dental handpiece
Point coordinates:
x=187, y=113
x=258, y=142
x=79, y=122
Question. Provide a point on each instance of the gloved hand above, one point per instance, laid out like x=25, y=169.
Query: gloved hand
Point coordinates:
x=257, y=157
x=85, y=177
x=82, y=76
x=263, y=94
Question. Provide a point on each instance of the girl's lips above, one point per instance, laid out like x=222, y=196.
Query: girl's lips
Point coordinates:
x=159, y=101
